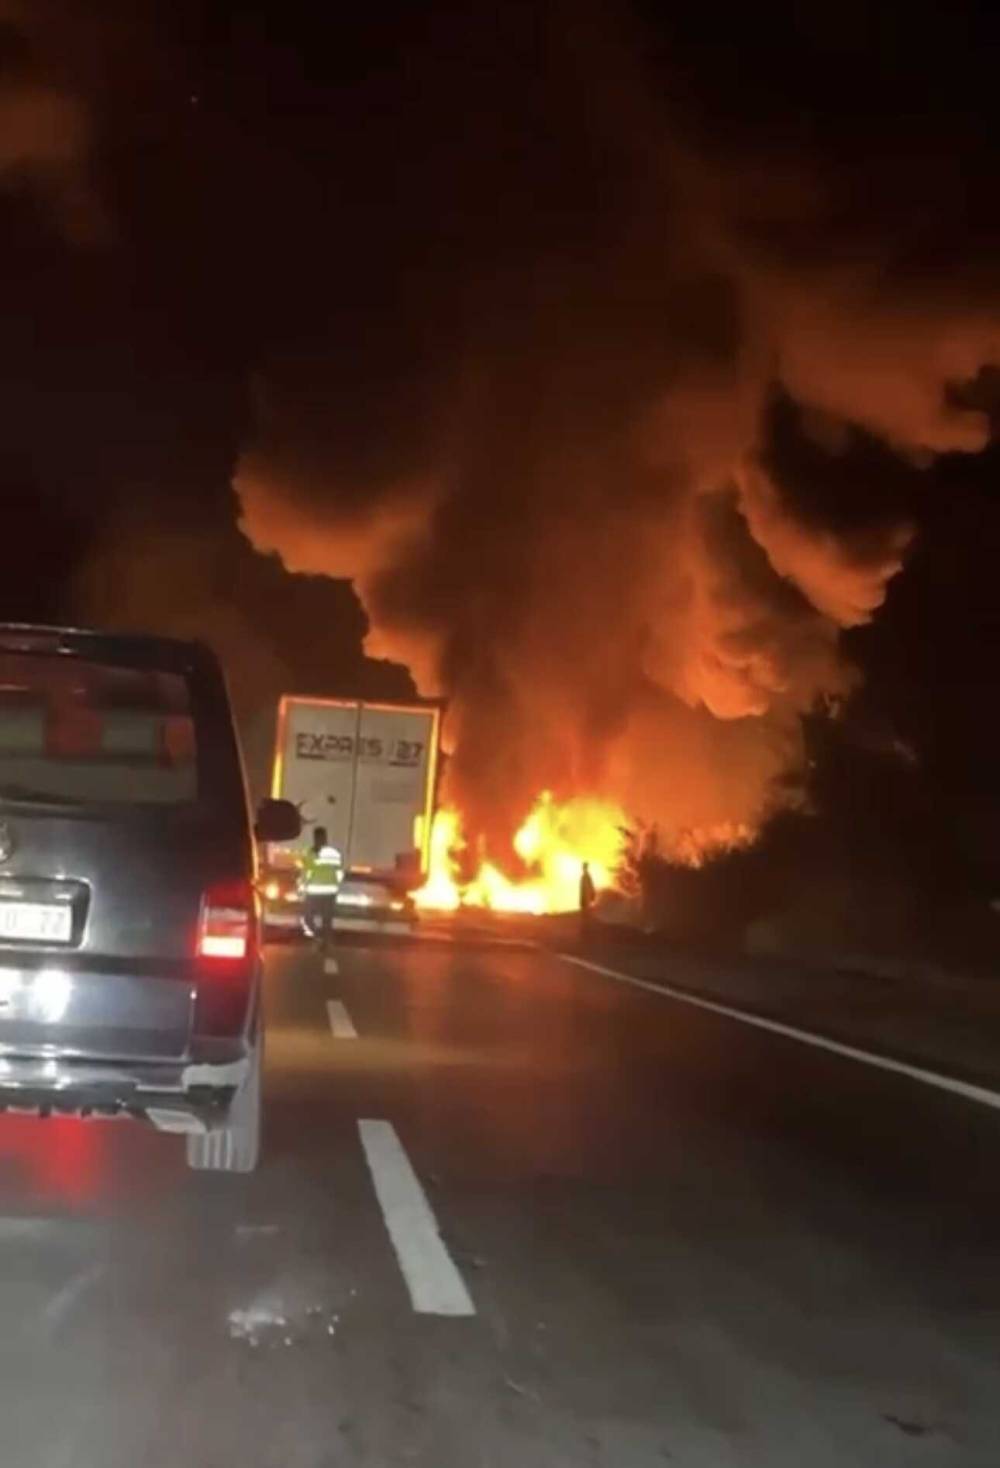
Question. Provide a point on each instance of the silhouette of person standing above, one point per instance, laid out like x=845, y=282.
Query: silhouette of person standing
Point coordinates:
x=588, y=896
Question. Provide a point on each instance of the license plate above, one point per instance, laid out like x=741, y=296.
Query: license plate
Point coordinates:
x=36, y=922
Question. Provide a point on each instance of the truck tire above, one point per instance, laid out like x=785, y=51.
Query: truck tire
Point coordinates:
x=235, y=1145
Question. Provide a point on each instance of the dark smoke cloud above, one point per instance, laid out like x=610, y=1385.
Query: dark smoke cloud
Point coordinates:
x=46, y=132
x=617, y=408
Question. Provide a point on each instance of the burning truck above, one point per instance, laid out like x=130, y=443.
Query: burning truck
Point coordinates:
x=368, y=773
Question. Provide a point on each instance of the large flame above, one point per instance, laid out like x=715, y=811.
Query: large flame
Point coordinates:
x=552, y=845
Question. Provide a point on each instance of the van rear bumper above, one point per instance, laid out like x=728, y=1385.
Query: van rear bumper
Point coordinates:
x=197, y=1090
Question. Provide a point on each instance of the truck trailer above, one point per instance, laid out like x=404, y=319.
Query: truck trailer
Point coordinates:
x=367, y=773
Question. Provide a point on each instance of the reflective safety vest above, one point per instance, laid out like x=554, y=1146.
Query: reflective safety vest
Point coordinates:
x=322, y=871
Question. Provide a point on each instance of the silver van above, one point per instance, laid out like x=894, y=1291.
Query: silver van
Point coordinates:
x=130, y=954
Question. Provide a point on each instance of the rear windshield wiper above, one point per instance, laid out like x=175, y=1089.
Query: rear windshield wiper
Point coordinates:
x=24, y=794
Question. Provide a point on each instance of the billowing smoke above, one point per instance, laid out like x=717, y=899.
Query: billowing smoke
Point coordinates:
x=45, y=128
x=622, y=424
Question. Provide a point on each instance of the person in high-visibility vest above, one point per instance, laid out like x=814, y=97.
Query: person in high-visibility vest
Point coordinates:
x=320, y=880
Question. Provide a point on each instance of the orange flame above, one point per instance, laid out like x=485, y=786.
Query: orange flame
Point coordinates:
x=553, y=843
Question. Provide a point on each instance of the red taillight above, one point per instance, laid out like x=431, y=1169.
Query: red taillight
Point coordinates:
x=228, y=917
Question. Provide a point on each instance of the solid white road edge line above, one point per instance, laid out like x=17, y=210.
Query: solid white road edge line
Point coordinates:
x=434, y=1283
x=331, y=966
x=340, y=1021
x=971, y=1092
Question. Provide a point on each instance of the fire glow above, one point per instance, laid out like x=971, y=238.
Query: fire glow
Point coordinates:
x=551, y=845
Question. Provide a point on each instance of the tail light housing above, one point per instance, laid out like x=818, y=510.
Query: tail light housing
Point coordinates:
x=227, y=926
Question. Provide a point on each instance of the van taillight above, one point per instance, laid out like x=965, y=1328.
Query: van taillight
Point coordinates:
x=226, y=928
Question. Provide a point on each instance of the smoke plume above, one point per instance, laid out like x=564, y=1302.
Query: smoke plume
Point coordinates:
x=45, y=127
x=625, y=419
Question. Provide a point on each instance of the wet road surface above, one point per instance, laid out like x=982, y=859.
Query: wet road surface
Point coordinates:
x=512, y=1215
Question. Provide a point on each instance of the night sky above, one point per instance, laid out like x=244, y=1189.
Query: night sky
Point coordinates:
x=316, y=244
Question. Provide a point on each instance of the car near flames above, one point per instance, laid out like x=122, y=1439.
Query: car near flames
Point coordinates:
x=130, y=952
x=281, y=902
x=360, y=905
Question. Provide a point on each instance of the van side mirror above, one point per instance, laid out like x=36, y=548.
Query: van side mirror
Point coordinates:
x=277, y=820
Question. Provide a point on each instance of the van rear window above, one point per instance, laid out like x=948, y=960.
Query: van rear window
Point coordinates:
x=83, y=732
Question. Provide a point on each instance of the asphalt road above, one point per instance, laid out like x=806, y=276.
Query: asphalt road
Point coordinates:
x=665, y=1238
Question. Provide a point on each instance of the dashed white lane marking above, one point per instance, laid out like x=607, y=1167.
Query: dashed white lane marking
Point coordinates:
x=434, y=1283
x=340, y=1021
x=971, y=1092
x=62, y=1303
x=331, y=966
